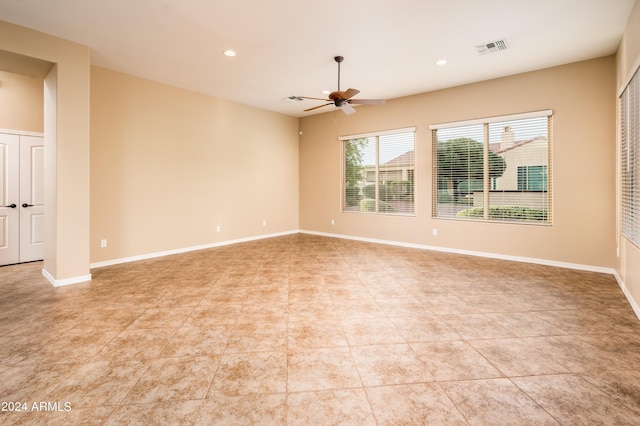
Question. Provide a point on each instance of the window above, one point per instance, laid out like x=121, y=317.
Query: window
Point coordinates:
x=630, y=159
x=494, y=169
x=532, y=178
x=378, y=172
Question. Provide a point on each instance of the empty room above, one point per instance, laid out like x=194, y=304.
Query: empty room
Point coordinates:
x=350, y=212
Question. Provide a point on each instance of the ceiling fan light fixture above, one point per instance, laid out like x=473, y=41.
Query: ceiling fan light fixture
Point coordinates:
x=347, y=108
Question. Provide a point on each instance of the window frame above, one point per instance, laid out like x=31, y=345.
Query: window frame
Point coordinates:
x=629, y=125
x=489, y=183
x=378, y=167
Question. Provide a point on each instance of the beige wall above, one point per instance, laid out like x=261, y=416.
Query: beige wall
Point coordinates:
x=66, y=131
x=21, y=103
x=628, y=262
x=582, y=96
x=628, y=56
x=169, y=165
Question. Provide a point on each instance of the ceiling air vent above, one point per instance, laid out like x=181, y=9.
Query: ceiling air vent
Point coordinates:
x=494, y=46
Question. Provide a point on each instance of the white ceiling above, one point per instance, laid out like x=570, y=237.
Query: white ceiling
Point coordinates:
x=286, y=47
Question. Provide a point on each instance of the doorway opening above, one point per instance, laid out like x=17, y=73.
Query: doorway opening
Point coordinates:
x=23, y=81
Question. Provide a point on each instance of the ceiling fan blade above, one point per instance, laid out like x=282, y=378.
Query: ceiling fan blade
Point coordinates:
x=349, y=93
x=319, y=106
x=368, y=101
x=315, y=99
x=347, y=109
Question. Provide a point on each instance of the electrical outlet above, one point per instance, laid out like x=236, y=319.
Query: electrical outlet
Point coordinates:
x=103, y=243
x=264, y=223
x=333, y=222
x=218, y=228
x=434, y=232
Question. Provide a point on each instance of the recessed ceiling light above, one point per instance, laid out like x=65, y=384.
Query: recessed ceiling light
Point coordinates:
x=441, y=62
x=326, y=92
x=230, y=53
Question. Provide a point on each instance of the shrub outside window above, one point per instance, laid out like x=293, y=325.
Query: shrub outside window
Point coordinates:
x=496, y=169
x=379, y=172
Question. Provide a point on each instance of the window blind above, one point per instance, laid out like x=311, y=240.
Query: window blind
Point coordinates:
x=495, y=169
x=630, y=159
x=379, y=172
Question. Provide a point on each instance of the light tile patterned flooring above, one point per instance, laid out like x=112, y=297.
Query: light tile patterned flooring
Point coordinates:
x=310, y=330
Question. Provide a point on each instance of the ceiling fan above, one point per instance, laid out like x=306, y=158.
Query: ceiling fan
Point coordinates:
x=342, y=99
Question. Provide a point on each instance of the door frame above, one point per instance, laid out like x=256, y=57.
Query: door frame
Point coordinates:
x=67, y=157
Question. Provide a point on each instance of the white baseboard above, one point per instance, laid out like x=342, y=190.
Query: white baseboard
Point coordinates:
x=568, y=265
x=67, y=281
x=536, y=261
x=546, y=262
x=187, y=249
x=577, y=266
x=627, y=294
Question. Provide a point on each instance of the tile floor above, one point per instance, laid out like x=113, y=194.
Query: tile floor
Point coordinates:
x=309, y=330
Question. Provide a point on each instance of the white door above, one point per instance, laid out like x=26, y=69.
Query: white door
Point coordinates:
x=9, y=199
x=31, y=198
x=21, y=198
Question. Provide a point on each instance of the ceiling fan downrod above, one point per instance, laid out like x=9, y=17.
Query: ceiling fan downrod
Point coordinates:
x=338, y=59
